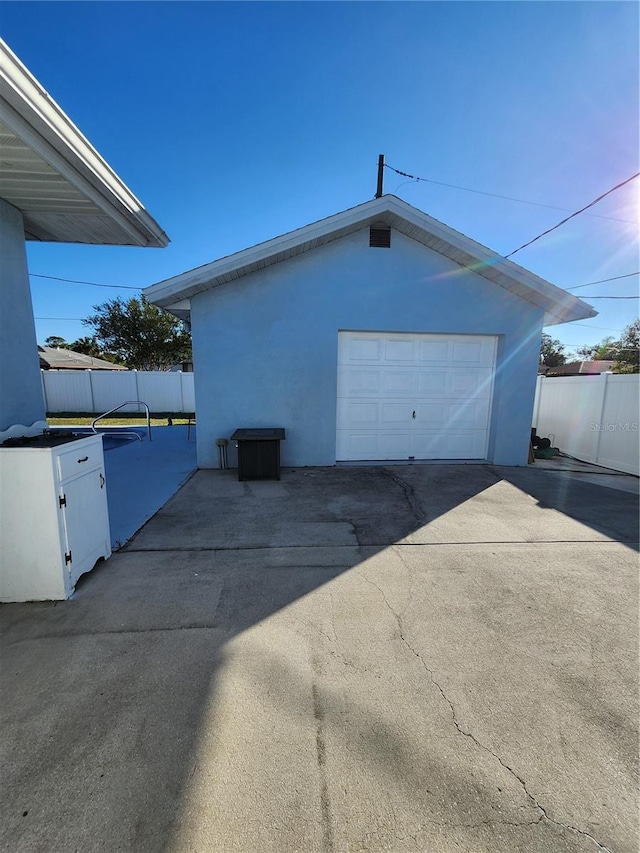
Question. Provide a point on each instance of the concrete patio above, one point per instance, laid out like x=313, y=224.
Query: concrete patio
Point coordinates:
x=413, y=658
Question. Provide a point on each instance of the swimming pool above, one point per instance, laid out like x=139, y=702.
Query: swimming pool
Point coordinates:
x=110, y=440
x=112, y=437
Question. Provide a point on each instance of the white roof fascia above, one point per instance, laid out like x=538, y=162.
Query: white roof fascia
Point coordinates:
x=571, y=306
x=559, y=305
x=202, y=278
x=35, y=117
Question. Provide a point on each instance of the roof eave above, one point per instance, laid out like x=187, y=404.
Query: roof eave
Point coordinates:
x=558, y=305
x=34, y=116
x=188, y=284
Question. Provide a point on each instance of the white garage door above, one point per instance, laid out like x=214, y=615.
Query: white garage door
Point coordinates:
x=414, y=396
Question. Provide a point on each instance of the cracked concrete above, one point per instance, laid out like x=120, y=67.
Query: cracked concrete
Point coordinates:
x=417, y=509
x=456, y=723
x=423, y=658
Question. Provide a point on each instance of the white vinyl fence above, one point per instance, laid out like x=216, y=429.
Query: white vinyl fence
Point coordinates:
x=593, y=418
x=100, y=390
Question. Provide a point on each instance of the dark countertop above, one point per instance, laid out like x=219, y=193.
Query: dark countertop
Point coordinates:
x=52, y=439
x=264, y=434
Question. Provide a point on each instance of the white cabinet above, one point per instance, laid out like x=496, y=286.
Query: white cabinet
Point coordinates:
x=54, y=521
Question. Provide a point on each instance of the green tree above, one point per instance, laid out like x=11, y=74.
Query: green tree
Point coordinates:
x=606, y=350
x=551, y=351
x=623, y=352
x=56, y=341
x=87, y=346
x=628, y=355
x=90, y=346
x=139, y=334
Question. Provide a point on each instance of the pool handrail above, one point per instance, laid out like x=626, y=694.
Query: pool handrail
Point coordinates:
x=121, y=406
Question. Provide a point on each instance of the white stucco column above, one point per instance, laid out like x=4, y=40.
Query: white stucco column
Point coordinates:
x=21, y=399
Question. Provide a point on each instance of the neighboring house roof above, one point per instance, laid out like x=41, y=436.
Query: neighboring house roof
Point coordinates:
x=175, y=293
x=55, y=177
x=576, y=368
x=52, y=358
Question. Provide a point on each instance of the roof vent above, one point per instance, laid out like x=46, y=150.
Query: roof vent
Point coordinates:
x=380, y=237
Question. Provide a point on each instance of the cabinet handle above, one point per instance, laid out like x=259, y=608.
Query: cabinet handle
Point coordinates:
x=84, y=459
x=102, y=481
x=414, y=415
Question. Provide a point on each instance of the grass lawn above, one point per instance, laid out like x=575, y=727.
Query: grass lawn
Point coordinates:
x=135, y=419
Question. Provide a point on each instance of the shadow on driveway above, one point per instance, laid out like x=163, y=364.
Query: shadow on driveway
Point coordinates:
x=426, y=658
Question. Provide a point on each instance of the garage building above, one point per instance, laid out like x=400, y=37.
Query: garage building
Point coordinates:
x=374, y=335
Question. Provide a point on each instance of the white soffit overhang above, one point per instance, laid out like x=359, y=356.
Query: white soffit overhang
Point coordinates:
x=48, y=170
x=558, y=305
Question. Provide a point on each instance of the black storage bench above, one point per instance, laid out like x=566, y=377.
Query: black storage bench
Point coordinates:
x=259, y=453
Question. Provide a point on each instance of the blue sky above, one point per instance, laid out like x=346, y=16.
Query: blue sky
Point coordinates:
x=236, y=122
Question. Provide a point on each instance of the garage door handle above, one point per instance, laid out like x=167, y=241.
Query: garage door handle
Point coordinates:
x=414, y=414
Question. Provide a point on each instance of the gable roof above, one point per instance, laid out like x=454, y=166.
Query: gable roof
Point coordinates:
x=559, y=306
x=65, y=190
x=52, y=358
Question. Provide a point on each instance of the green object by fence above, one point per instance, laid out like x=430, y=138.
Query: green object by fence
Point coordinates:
x=547, y=453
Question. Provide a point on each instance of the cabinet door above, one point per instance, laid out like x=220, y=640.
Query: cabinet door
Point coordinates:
x=86, y=522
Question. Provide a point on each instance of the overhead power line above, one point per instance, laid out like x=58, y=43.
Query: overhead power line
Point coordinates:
x=567, y=218
x=612, y=345
x=613, y=297
x=590, y=326
x=591, y=345
x=602, y=280
x=129, y=287
x=91, y=283
x=497, y=195
x=578, y=346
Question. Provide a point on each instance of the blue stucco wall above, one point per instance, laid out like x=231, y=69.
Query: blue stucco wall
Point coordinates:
x=265, y=347
x=21, y=399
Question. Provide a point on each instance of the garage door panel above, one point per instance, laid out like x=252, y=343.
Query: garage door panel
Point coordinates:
x=478, y=412
x=469, y=415
x=473, y=409
x=454, y=382
x=358, y=414
x=468, y=352
x=381, y=446
x=489, y=348
x=374, y=445
x=395, y=415
x=471, y=382
x=357, y=445
x=477, y=351
x=418, y=396
x=398, y=382
x=427, y=445
x=433, y=382
x=435, y=352
x=363, y=348
x=445, y=414
x=394, y=445
x=360, y=381
x=463, y=444
x=399, y=350
x=433, y=415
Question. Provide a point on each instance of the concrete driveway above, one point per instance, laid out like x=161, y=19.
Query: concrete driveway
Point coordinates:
x=411, y=658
